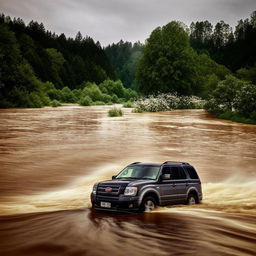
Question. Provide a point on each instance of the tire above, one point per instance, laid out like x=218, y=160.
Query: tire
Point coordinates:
x=192, y=199
x=148, y=204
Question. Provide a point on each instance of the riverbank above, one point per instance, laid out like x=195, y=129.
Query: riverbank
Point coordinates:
x=233, y=116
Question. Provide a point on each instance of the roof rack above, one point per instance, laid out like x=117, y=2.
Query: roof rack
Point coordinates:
x=135, y=163
x=167, y=162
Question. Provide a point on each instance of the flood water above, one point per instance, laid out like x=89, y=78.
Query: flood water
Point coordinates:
x=51, y=157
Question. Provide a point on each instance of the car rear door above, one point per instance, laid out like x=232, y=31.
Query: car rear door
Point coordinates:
x=167, y=189
x=179, y=183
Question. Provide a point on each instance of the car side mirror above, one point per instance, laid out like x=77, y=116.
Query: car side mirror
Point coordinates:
x=166, y=176
x=113, y=177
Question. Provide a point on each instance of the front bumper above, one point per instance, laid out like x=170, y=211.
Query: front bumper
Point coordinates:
x=118, y=203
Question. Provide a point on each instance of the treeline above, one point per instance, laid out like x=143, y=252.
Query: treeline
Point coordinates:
x=234, y=49
x=30, y=57
x=124, y=57
x=61, y=60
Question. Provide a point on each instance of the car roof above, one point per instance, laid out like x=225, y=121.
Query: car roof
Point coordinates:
x=158, y=165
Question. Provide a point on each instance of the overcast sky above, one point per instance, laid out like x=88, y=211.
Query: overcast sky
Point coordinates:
x=111, y=20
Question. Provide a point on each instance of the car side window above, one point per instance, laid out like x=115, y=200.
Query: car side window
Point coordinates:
x=166, y=170
x=182, y=173
x=177, y=173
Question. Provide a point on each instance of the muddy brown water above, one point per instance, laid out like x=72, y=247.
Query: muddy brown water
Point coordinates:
x=50, y=158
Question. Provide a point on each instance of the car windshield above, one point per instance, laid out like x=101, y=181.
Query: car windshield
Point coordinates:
x=139, y=172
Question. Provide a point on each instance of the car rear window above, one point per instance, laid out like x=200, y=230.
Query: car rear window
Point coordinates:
x=192, y=172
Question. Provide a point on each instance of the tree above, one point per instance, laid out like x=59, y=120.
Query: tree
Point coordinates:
x=200, y=34
x=168, y=62
x=221, y=34
x=246, y=100
x=79, y=37
x=225, y=94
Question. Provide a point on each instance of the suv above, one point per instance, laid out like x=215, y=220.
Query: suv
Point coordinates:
x=141, y=187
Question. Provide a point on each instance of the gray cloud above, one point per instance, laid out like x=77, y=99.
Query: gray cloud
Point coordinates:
x=111, y=20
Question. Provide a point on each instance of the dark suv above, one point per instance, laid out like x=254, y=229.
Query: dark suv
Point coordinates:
x=141, y=187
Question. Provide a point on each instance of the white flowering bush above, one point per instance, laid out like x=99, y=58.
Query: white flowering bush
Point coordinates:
x=167, y=101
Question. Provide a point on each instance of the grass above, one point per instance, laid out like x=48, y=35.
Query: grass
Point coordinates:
x=115, y=112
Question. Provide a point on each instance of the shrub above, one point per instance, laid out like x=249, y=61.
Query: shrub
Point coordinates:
x=55, y=103
x=106, y=98
x=85, y=101
x=163, y=102
x=93, y=91
x=115, y=112
x=128, y=104
x=112, y=88
x=35, y=99
x=246, y=100
x=233, y=99
x=66, y=95
x=115, y=99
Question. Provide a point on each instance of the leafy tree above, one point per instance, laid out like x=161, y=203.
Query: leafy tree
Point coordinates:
x=248, y=74
x=168, y=63
x=246, y=100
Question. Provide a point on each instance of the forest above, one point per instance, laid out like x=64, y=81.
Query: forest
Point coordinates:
x=214, y=62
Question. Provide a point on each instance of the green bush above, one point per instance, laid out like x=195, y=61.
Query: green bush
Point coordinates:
x=245, y=102
x=66, y=95
x=233, y=99
x=115, y=112
x=128, y=104
x=115, y=99
x=55, y=103
x=93, y=91
x=85, y=101
x=106, y=98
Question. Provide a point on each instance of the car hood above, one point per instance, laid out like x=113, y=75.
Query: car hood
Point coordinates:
x=126, y=182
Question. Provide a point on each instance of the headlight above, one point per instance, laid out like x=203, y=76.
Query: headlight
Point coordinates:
x=131, y=191
x=94, y=189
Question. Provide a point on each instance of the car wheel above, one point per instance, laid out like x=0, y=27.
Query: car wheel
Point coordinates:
x=148, y=204
x=191, y=199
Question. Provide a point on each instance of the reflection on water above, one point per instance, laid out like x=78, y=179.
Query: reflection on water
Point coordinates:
x=51, y=157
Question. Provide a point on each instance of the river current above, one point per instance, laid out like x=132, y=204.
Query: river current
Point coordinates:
x=51, y=157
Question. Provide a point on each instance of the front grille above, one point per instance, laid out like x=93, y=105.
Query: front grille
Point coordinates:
x=115, y=190
x=107, y=198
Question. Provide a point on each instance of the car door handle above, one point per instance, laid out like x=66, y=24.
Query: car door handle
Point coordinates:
x=173, y=184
